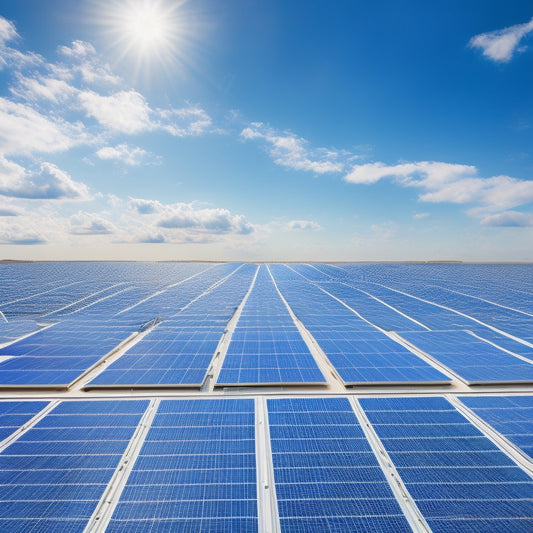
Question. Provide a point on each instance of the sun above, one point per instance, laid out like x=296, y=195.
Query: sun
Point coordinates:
x=146, y=27
x=146, y=33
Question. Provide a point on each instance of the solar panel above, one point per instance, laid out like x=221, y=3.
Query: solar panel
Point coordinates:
x=360, y=353
x=512, y=416
x=53, y=475
x=60, y=354
x=195, y=472
x=266, y=346
x=13, y=415
x=326, y=475
x=179, y=351
x=459, y=479
x=474, y=360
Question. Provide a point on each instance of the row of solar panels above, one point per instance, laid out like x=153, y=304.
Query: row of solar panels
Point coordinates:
x=266, y=346
x=194, y=465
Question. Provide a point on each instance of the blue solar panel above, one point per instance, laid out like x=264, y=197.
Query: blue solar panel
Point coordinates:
x=473, y=359
x=195, y=472
x=60, y=354
x=327, y=477
x=54, y=475
x=459, y=479
x=179, y=351
x=512, y=416
x=15, y=414
x=266, y=346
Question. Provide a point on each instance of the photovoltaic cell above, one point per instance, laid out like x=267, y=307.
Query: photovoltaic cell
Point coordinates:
x=327, y=477
x=195, y=472
x=474, y=360
x=13, y=415
x=460, y=480
x=512, y=416
x=52, y=476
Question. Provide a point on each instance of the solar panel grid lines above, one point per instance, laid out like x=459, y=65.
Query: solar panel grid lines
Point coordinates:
x=260, y=356
x=16, y=417
x=499, y=427
x=459, y=479
x=196, y=470
x=473, y=359
x=54, y=473
x=109, y=499
x=179, y=354
x=361, y=352
x=412, y=512
x=327, y=483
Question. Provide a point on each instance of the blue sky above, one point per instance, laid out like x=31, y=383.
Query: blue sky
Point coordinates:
x=280, y=130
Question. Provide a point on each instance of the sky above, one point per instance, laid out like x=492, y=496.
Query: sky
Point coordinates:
x=391, y=130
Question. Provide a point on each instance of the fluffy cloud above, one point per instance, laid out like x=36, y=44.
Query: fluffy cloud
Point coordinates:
x=500, y=45
x=509, y=219
x=289, y=150
x=184, y=122
x=129, y=155
x=25, y=131
x=18, y=234
x=90, y=224
x=305, y=225
x=49, y=182
x=446, y=182
x=185, y=222
x=124, y=112
x=7, y=212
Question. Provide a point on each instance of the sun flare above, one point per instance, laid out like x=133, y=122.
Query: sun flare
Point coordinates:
x=148, y=33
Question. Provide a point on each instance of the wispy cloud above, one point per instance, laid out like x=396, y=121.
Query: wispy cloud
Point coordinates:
x=303, y=225
x=291, y=151
x=509, y=219
x=90, y=224
x=500, y=45
x=129, y=155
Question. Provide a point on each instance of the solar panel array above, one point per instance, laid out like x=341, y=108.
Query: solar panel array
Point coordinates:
x=512, y=416
x=327, y=476
x=196, y=470
x=298, y=397
x=458, y=478
x=359, y=351
x=54, y=474
x=179, y=351
x=266, y=346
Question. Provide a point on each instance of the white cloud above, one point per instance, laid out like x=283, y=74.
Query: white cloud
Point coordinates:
x=500, y=45
x=90, y=224
x=289, y=150
x=303, y=225
x=186, y=121
x=420, y=216
x=427, y=173
x=35, y=88
x=85, y=61
x=125, y=111
x=49, y=182
x=19, y=234
x=145, y=207
x=7, y=212
x=205, y=220
x=24, y=131
x=509, y=219
x=129, y=155
x=446, y=182
x=7, y=31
